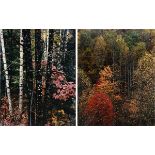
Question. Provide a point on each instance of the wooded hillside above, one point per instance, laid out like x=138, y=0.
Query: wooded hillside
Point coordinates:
x=118, y=65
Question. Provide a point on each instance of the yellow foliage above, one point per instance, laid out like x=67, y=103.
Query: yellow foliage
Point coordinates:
x=105, y=83
x=122, y=45
x=131, y=106
x=59, y=118
x=100, y=44
x=105, y=73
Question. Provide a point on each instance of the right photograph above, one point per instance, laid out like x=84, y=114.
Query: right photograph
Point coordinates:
x=116, y=77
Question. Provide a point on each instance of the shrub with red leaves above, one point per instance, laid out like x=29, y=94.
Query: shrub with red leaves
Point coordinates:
x=99, y=110
x=64, y=89
x=16, y=118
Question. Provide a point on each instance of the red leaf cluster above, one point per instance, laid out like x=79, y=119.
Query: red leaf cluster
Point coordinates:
x=99, y=110
x=65, y=89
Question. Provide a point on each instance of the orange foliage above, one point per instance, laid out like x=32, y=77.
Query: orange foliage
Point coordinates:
x=58, y=118
x=131, y=106
x=105, y=83
x=117, y=98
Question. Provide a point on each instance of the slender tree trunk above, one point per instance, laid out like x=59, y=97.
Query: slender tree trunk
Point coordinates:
x=0, y=72
x=21, y=76
x=113, y=65
x=120, y=78
x=57, y=54
x=28, y=75
x=69, y=59
x=129, y=75
x=125, y=62
x=48, y=74
x=6, y=71
x=63, y=48
x=133, y=68
x=38, y=58
x=45, y=60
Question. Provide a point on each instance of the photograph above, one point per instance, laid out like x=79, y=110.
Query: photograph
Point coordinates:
x=37, y=77
x=77, y=77
x=116, y=77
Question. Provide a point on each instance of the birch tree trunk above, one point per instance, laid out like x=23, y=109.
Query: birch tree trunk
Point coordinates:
x=46, y=42
x=6, y=71
x=21, y=73
x=45, y=59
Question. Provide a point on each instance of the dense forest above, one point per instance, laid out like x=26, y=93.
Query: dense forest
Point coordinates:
x=116, y=77
x=37, y=77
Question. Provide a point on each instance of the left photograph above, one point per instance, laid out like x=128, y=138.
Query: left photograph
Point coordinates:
x=37, y=77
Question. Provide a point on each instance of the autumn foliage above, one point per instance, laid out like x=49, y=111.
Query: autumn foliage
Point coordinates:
x=37, y=77
x=105, y=83
x=16, y=118
x=99, y=110
x=119, y=64
x=64, y=89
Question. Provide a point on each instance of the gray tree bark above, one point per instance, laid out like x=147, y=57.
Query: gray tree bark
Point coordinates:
x=21, y=73
x=6, y=71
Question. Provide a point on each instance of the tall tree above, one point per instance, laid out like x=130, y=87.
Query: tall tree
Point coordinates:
x=48, y=73
x=6, y=70
x=57, y=55
x=45, y=34
x=144, y=81
x=21, y=75
x=38, y=76
x=63, y=47
x=69, y=60
x=0, y=72
x=28, y=75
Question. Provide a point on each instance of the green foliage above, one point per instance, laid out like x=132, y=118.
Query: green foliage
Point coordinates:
x=85, y=39
x=138, y=50
x=122, y=45
x=98, y=56
x=84, y=88
x=132, y=37
x=83, y=80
